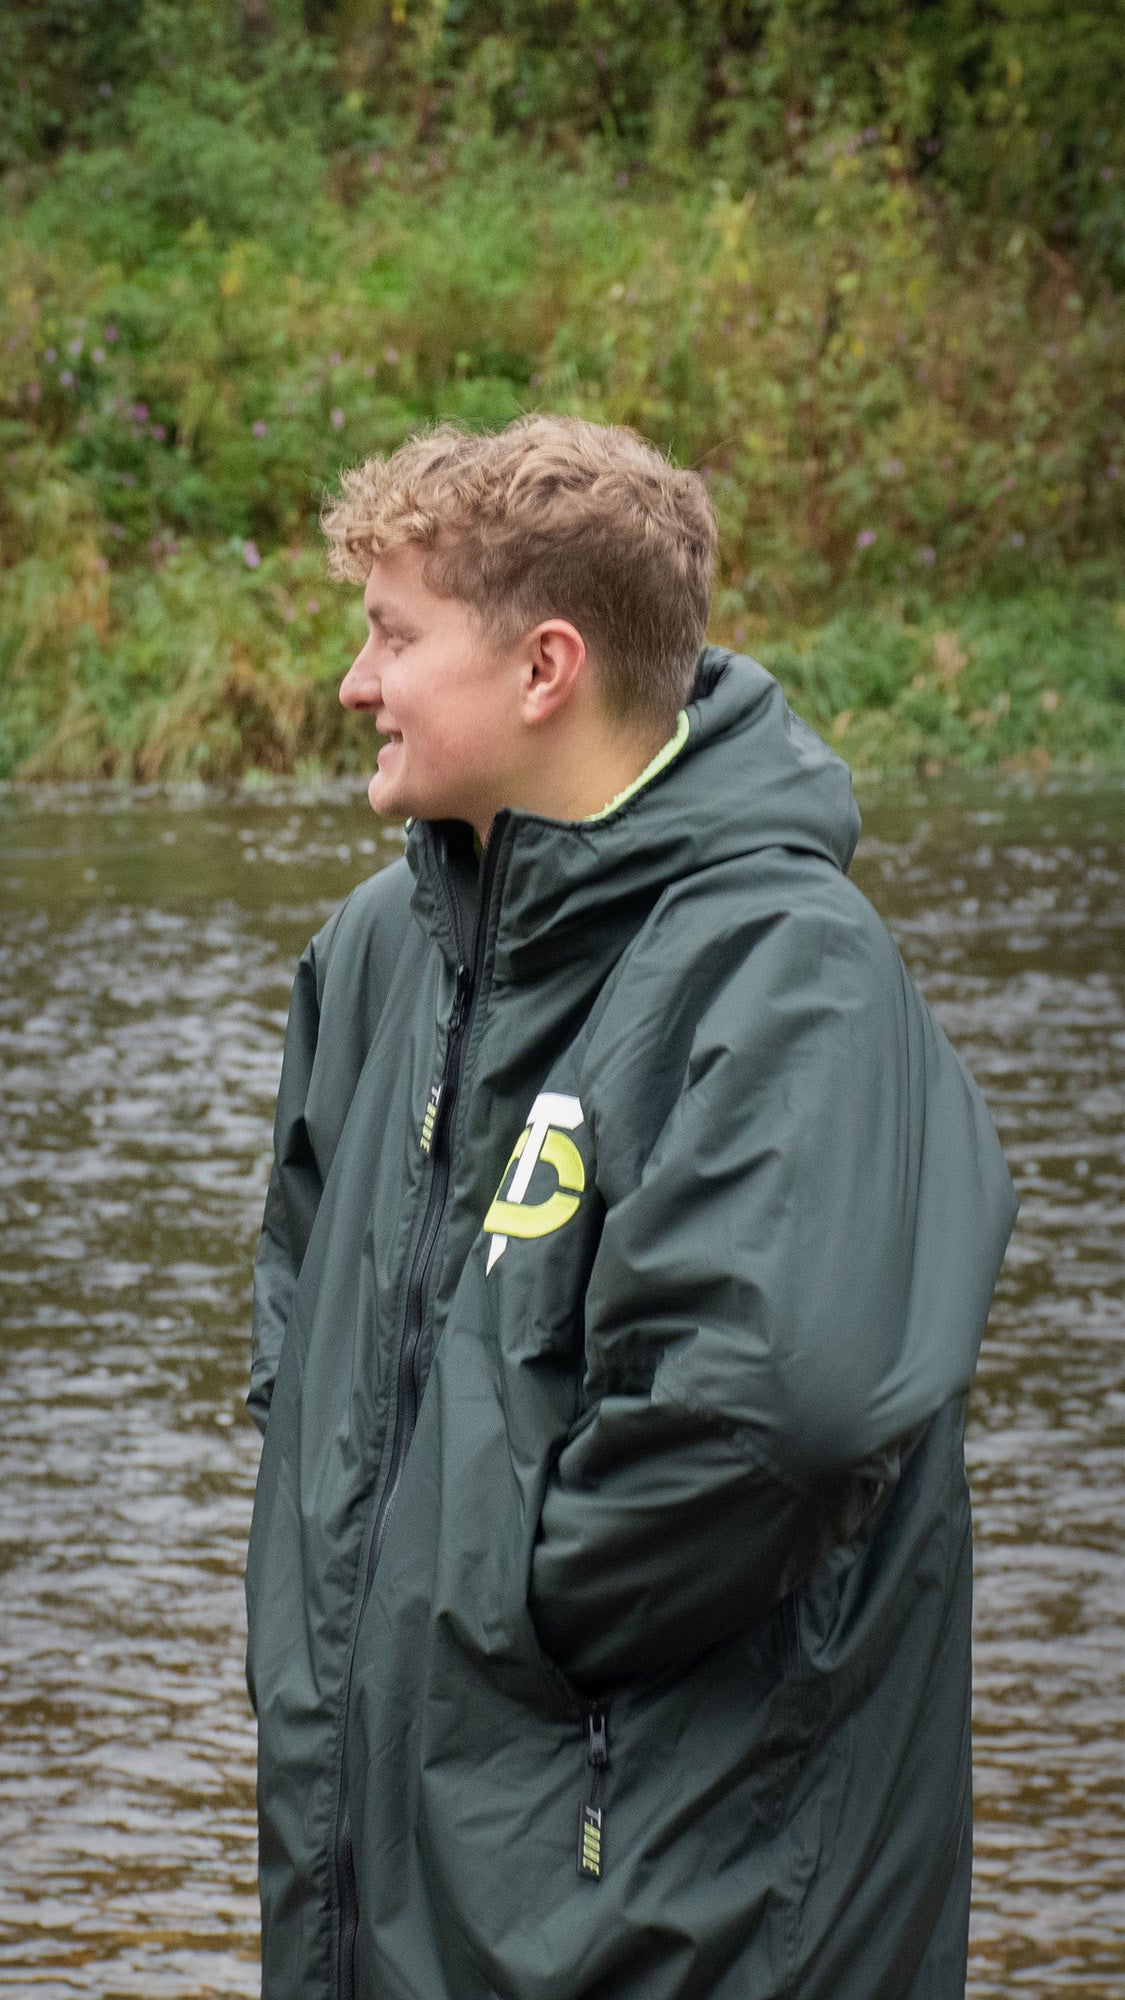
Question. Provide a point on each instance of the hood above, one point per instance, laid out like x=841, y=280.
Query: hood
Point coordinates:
x=751, y=775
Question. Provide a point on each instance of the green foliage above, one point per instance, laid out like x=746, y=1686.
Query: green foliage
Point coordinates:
x=869, y=413
x=66, y=65
x=201, y=666
x=194, y=667
x=1023, y=682
x=269, y=255
x=1013, y=110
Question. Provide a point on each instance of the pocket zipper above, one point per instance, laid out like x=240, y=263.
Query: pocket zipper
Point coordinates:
x=591, y=1817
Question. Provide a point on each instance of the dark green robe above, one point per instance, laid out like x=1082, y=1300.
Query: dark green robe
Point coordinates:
x=629, y=1243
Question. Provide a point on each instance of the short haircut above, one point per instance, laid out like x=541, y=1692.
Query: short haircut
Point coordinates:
x=552, y=517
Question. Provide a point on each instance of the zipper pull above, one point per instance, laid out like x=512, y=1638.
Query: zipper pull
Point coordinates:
x=591, y=1818
x=458, y=1014
x=462, y=994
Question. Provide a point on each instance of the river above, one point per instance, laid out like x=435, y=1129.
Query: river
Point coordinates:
x=148, y=945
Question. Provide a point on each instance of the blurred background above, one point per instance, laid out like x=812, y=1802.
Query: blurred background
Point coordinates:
x=862, y=264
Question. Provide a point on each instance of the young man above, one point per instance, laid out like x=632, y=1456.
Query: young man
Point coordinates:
x=629, y=1242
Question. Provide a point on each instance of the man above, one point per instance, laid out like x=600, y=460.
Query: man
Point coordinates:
x=629, y=1242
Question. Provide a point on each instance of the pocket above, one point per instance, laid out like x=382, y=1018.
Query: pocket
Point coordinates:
x=591, y=1817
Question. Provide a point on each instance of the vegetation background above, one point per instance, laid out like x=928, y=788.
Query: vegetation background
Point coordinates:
x=860, y=261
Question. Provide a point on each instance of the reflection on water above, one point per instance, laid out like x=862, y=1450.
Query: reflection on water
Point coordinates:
x=149, y=946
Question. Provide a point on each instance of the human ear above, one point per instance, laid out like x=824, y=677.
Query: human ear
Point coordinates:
x=554, y=657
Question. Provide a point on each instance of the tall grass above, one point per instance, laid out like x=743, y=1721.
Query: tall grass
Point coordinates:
x=915, y=446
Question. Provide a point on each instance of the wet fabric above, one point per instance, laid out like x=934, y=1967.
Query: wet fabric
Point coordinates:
x=629, y=1243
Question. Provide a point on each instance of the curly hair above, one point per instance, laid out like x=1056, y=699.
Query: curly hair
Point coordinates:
x=552, y=517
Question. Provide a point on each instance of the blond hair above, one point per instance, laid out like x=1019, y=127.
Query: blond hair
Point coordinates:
x=552, y=517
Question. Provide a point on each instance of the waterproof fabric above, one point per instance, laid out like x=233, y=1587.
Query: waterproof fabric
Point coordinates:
x=616, y=1304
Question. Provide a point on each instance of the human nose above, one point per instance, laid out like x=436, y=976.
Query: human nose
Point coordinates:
x=361, y=687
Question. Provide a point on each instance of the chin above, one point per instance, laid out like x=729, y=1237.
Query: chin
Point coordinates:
x=382, y=800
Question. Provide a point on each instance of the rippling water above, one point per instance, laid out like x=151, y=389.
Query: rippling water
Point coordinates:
x=149, y=945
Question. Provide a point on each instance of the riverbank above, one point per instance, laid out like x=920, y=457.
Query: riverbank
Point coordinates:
x=205, y=668
x=912, y=417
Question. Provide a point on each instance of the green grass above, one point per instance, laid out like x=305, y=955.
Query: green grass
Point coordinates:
x=915, y=446
x=198, y=666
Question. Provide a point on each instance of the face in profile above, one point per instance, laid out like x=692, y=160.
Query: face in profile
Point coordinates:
x=440, y=692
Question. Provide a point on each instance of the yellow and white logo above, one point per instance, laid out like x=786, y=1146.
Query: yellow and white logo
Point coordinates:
x=551, y=1117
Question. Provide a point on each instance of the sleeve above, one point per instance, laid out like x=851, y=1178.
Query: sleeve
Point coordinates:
x=795, y=1278
x=295, y=1185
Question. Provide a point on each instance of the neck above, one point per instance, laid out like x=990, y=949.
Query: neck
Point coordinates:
x=575, y=779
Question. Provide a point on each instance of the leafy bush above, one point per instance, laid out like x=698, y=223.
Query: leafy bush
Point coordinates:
x=1014, y=110
x=870, y=413
x=244, y=278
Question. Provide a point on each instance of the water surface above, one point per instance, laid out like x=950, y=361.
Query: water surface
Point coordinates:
x=148, y=947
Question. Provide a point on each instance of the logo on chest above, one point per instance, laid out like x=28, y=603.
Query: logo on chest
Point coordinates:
x=544, y=1138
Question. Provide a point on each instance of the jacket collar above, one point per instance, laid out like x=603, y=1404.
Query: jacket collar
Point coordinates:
x=750, y=776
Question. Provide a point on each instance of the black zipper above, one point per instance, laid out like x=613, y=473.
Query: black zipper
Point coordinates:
x=591, y=1816
x=407, y=1387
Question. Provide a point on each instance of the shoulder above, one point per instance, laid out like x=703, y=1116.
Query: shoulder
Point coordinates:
x=761, y=975
x=362, y=939
x=766, y=924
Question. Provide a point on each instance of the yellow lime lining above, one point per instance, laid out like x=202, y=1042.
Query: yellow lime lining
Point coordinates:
x=661, y=760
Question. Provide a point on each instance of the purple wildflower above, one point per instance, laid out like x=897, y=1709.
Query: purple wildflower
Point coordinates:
x=111, y=334
x=390, y=355
x=50, y=354
x=139, y=413
x=251, y=554
x=75, y=347
x=33, y=392
x=66, y=377
x=97, y=354
x=927, y=556
x=159, y=433
x=259, y=428
x=337, y=420
x=865, y=538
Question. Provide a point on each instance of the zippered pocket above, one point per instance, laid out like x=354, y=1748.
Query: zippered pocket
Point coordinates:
x=591, y=1817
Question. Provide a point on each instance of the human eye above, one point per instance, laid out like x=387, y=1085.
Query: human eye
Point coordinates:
x=391, y=635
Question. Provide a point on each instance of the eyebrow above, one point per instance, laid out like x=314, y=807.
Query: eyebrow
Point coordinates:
x=386, y=616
